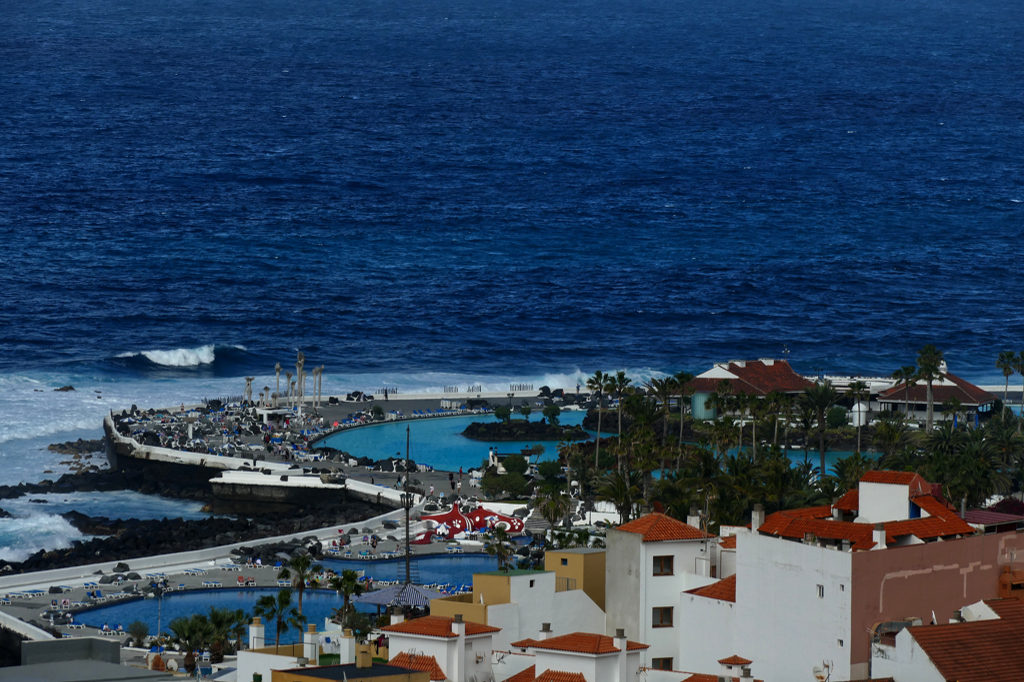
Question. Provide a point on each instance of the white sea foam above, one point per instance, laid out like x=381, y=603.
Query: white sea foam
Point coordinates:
x=24, y=536
x=180, y=357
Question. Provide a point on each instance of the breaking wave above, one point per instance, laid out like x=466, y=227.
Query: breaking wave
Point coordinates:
x=180, y=357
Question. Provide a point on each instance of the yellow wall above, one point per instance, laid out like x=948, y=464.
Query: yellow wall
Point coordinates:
x=461, y=603
x=586, y=569
x=494, y=588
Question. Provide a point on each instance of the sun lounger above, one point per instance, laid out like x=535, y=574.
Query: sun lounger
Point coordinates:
x=284, y=583
x=211, y=583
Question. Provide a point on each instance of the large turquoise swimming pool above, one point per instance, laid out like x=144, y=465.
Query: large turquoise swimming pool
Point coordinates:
x=317, y=604
x=437, y=442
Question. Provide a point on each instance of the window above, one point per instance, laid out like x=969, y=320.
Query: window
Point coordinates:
x=663, y=565
x=842, y=588
x=565, y=562
x=821, y=591
x=840, y=643
x=661, y=663
x=531, y=583
x=662, y=617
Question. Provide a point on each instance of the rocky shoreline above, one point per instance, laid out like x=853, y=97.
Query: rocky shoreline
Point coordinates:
x=522, y=430
x=124, y=539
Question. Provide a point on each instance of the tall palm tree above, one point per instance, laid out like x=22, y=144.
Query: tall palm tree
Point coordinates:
x=1018, y=366
x=858, y=390
x=347, y=584
x=617, y=384
x=906, y=375
x=621, y=490
x=820, y=398
x=597, y=383
x=929, y=365
x=553, y=507
x=301, y=569
x=500, y=545
x=279, y=610
x=227, y=625
x=662, y=389
x=1005, y=362
x=683, y=380
x=191, y=633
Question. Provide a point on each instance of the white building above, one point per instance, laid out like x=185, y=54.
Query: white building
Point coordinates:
x=581, y=657
x=449, y=648
x=517, y=602
x=983, y=644
x=812, y=586
x=649, y=562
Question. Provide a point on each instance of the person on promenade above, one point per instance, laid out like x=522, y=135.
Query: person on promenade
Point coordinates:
x=431, y=490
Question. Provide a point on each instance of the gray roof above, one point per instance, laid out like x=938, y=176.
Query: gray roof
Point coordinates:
x=579, y=550
x=79, y=671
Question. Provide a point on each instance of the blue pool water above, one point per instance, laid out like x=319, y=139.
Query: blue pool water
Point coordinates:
x=437, y=442
x=316, y=604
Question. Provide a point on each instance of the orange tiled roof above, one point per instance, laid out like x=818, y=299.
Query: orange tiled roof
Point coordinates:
x=437, y=626
x=724, y=589
x=703, y=677
x=728, y=543
x=658, y=528
x=898, y=478
x=419, y=662
x=978, y=651
x=735, y=660
x=525, y=643
x=849, y=502
x=928, y=528
x=559, y=676
x=583, y=643
x=967, y=393
x=524, y=676
x=934, y=507
x=755, y=378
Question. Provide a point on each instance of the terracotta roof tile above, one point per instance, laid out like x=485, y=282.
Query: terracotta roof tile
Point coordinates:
x=728, y=543
x=583, y=643
x=437, y=626
x=755, y=378
x=967, y=393
x=524, y=676
x=849, y=502
x=525, y=643
x=559, y=676
x=928, y=528
x=659, y=528
x=735, y=660
x=934, y=507
x=978, y=651
x=724, y=589
x=703, y=677
x=419, y=662
x=893, y=478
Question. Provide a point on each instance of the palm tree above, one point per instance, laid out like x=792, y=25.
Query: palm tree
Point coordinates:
x=1005, y=362
x=227, y=625
x=858, y=390
x=929, y=366
x=347, y=584
x=279, y=610
x=1018, y=366
x=906, y=375
x=683, y=380
x=191, y=633
x=597, y=383
x=621, y=490
x=619, y=383
x=301, y=569
x=662, y=389
x=500, y=545
x=891, y=436
x=553, y=507
x=819, y=398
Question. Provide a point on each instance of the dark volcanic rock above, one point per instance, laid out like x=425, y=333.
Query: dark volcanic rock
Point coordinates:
x=522, y=430
x=64, y=389
x=78, y=447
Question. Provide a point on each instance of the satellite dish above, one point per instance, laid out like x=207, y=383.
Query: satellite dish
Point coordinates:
x=819, y=674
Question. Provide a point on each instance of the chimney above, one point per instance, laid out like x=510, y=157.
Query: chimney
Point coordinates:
x=622, y=644
x=311, y=645
x=396, y=616
x=693, y=518
x=846, y=545
x=256, y=634
x=545, y=631
x=757, y=517
x=837, y=514
x=879, y=536
x=963, y=507
x=364, y=658
x=458, y=673
x=745, y=675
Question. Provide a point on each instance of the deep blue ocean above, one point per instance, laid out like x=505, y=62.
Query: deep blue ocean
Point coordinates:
x=438, y=192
